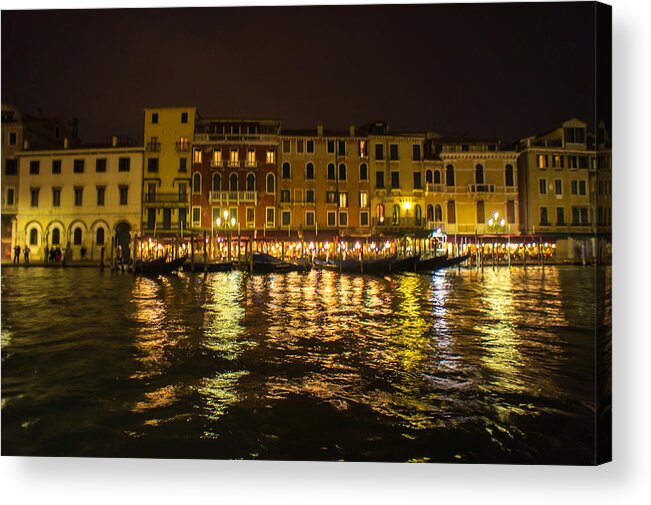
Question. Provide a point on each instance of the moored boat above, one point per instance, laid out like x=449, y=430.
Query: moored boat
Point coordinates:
x=221, y=266
x=265, y=263
x=159, y=265
x=407, y=264
x=447, y=263
x=431, y=263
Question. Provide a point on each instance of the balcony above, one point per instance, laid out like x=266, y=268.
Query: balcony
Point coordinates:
x=434, y=188
x=233, y=163
x=234, y=196
x=250, y=163
x=400, y=222
x=183, y=147
x=152, y=147
x=481, y=188
x=217, y=163
x=166, y=199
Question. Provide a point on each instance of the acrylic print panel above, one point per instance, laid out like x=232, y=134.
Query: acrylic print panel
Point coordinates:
x=352, y=233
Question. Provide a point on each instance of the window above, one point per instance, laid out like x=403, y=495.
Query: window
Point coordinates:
x=34, y=197
x=100, y=165
x=309, y=218
x=196, y=156
x=363, y=199
x=184, y=117
x=300, y=146
x=309, y=171
x=234, y=159
x=271, y=156
x=56, y=236
x=285, y=195
x=582, y=188
x=151, y=219
x=379, y=180
x=216, y=156
x=235, y=130
x=379, y=152
x=449, y=175
x=233, y=182
x=332, y=218
x=330, y=147
x=428, y=177
x=196, y=217
x=331, y=171
x=576, y=216
x=544, y=221
x=183, y=164
x=558, y=161
x=416, y=152
x=395, y=180
x=331, y=197
x=287, y=171
x=574, y=187
x=558, y=186
x=78, y=166
x=452, y=215
x=343, y=199
x=271, y=183
x=271, y=217
x=250, y=157
x=542, y=161
x=363, y=150
x=309, y=196
x=395, y=214
x=508, y=176
x=250, y=182
x=152, y=165
x=124, y=194
x=56, y=197
x=363, y=218
x=286, y=217
x=77, y=236
x=196, y=183
x=79, y=196
x=417, y=181
x=34, y=167
x=418, y=215
x=33, y=236
x=437, y=176
x=363, y=172
x=11, y=166
x=167, y=219
x=287, y=146
x=343, y=218
x=542, y=186
x=438, y=214
x=124, y=164
x=560, y=216
x=572, y=162
x=583, y=162
x=379, y=211
x=216, y=182
x=510, y=211
x=250, y=216
x=481, y=215
x=341, y=148
x=342, y=172
x=10, y=197
x=479, y=174
x=393, y=152
x=101, y=193
x=584, y=216
x=309, y=146
x=99, y=236
x=13, y=138
x=154, y=118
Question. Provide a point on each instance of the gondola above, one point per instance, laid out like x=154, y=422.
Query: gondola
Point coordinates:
x=265, y=263
x=354, y=266
x=407, y=264
x=159, y=265
x=221, y=266
x=449, y=262
x=430, y=264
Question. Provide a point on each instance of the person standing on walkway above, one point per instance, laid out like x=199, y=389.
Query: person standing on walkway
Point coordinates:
x=26, y=251
x=16, y=254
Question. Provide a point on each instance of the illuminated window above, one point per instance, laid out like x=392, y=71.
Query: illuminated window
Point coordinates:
x=271, y=156
x=542, y=161
x=395, y=214
x=217, y=156
x=558, y=161
x=363, y=149
x=196, y=156
x=379, y=212
x=343, y=200
x=250, y=157
x=234, y=158
x=363, y=199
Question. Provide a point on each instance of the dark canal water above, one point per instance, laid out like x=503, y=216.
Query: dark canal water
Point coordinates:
x=309, y=366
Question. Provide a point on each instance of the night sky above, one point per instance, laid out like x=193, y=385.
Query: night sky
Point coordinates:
x=494, y=70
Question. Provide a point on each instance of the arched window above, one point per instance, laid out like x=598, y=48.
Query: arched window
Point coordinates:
x=479, y=174
x=99, y=236
x=331, y=171
x=437, y=177
x=428, y=177
x=508, y=176
x=76, y=236
x=395, y=214
x=271, y=183
x=216, y=182
x=287, y=171
x=342, y=172
x=418, y=213
x=379, y=211
x=363, y=172
x=233, y=182
x=250, y=182
x=438, y=214
x=33, y=236
x=309, y=171
x=56, y=236
x=196, y=183
x=430, y=212
x=449, y=175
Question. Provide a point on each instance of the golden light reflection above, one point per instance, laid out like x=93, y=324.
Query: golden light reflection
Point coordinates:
x=219, y=394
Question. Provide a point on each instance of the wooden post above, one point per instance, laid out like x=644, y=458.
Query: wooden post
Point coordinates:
x=508, y=250
x=524, y=252
x=192, y=249
x=205, y=253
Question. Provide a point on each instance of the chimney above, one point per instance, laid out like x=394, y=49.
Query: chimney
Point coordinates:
x=114, y=141
x=319, y=130
x=66, y=143
x=351, y=130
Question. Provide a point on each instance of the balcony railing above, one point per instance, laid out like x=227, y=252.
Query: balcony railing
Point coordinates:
x=434, y=188
x=250, y=163
x=398, y=222
x=234, y=163
x=234, y=196
x=166, y=197
x=183, y=147
x=481, y=188
x=152, y=147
